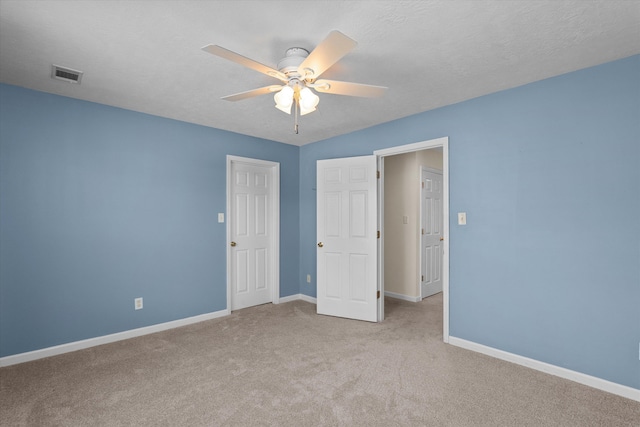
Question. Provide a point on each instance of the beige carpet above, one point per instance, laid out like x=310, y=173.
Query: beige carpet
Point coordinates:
x=284, y=365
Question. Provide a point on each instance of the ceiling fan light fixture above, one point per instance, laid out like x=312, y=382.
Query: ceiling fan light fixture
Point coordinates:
x=308, y=101
x=304, y=111
x=284, y=109
x=284, y=99
x=299, y=71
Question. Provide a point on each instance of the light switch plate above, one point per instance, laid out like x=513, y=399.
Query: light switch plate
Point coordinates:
x=220, y=217
x=462, y=218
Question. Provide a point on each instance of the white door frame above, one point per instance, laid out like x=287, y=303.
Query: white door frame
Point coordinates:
x=274, y=195
x=408, y=148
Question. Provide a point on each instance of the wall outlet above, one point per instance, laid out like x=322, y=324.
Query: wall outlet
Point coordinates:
x=137, y=303
x=308, y=278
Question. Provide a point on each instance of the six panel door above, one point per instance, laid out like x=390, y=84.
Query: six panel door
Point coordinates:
x=347, y=238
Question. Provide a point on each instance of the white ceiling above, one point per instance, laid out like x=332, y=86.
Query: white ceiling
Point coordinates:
x=145, y=55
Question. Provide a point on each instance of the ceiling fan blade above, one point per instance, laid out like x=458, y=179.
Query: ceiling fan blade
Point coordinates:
x=243, y=60
x=347, y=88
x=328, y=52
x=252, y=93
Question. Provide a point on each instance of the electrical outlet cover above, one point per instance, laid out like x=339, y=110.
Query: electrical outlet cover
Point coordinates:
x=462, y=218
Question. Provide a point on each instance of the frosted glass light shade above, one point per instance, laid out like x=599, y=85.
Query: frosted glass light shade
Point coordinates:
x=284, y=99
x=308, y=101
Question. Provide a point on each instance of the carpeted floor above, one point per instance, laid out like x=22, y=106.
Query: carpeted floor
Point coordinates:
x=283, y=365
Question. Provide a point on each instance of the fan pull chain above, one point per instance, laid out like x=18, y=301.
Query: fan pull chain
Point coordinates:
x=295, y=123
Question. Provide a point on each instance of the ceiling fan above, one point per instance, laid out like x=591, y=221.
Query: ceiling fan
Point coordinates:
x=299, y=71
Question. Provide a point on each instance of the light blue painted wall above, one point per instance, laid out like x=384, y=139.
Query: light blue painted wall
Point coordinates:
x=548, y=266
x=100, y=205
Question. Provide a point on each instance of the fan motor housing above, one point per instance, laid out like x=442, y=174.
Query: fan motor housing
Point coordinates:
x=292, y=60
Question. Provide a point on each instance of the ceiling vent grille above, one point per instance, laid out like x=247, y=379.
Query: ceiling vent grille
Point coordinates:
x=66, y=74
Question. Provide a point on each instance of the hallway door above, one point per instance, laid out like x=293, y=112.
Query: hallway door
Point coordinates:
x=431, y=232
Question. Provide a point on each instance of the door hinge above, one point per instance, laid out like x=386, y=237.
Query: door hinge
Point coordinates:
x=422, y=184
x=378, y=234
x=423, y=277
x=378, y=174
x=423, y=231
x=378, y=294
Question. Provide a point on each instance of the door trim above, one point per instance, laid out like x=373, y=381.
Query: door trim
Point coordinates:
x=274, y=195
x=408, y=148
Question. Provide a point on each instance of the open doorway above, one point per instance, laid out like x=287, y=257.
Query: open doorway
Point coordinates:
x=401, y=247
x=413, y=224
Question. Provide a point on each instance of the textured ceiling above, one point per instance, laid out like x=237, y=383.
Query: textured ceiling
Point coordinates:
x=145, y=55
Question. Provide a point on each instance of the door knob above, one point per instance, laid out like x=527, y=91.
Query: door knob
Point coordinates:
x=441, y=239
x=320, y=245
x=233, y=243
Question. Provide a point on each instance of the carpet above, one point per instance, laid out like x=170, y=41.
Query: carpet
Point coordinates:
x=284, y=365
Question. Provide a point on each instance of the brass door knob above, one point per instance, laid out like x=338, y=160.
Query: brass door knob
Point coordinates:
x=320, y=245
x=441, y=239
x=233, y=243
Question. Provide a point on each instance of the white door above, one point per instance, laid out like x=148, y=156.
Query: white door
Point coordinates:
x=347, y=238
x=432, y=237
x=251, y=234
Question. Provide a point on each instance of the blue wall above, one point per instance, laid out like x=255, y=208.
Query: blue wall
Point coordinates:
x=548, y=266
x=100, y=205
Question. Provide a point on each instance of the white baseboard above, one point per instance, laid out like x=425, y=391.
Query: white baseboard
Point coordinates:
x=401, y=296
x=298, y=297
x=289, y=298
x=308, y=299
x=119, y=336
x=588, y=380
x=106, y=339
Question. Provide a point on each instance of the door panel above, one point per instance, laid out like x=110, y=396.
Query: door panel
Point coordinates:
x=242, y=273
x=331, y=272
x=250, y=230
x=332, y=214
x=261, y=269
x=431, y=243
x=261, y=216
x=347, y=238
x=358, y=214
x=241, y=209
x=357, y=277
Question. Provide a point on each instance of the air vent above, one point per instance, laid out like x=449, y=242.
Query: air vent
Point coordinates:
x=66, y=74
